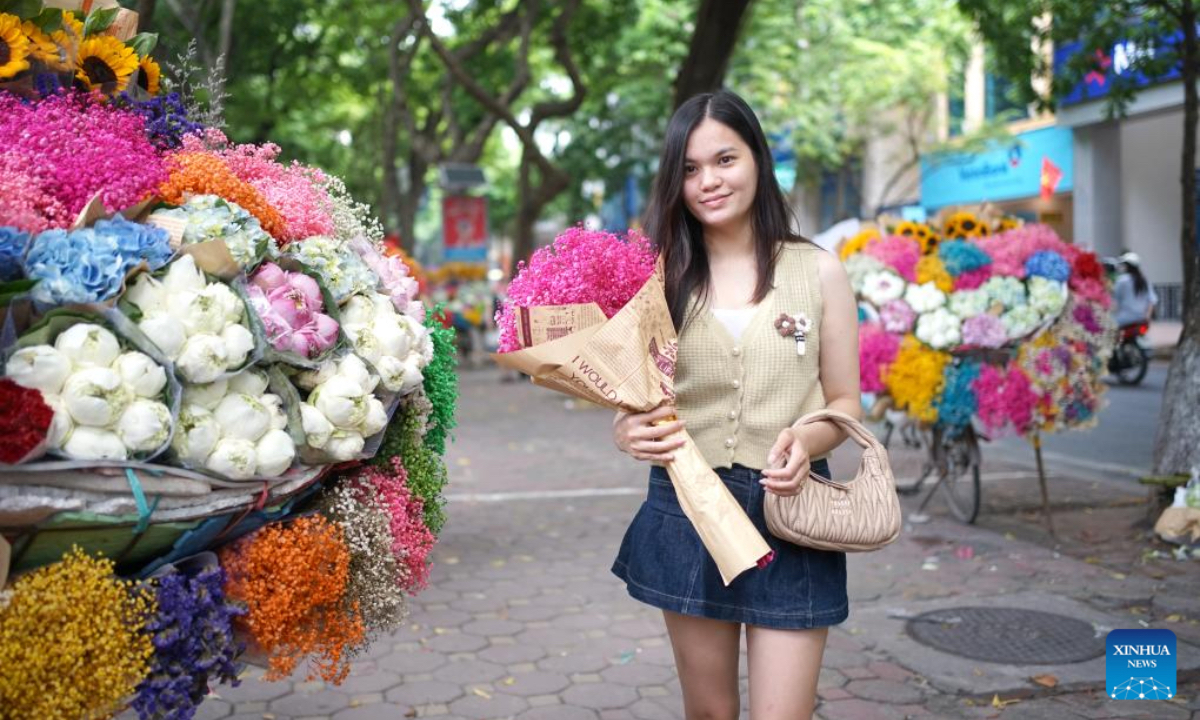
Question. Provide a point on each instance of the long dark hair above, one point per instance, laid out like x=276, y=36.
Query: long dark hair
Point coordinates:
x=679, y=235
x=1139, y=280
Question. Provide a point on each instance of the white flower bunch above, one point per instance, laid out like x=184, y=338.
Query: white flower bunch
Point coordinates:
x=882, y=287
x=1047, y=296
x=107, y=402
x=969, y=303
x=397, y=345
x=341, y=411
x=1008, y=291
x=858, y=267
x=1020, y=321
x=924, y=298
x=197, y=324
x=940, y=329
x=234, y=428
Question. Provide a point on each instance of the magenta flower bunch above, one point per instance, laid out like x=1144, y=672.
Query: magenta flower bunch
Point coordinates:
x=82, y=147
x=580, y=266
x=296, y=191
x=291, y=308
x=24, y=201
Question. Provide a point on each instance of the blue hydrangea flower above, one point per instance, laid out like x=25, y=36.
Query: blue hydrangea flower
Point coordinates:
x=137, y=242
x=89, y=265
x=961, y=256
x=13, y=244
x=1048, y=264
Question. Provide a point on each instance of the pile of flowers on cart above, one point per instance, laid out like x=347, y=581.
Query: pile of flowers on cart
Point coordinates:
x=224, y=406
x=968, y=318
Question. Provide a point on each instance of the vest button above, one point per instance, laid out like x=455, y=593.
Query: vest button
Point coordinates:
x=730, y=442
x=733, y=414
x=737, y=351
x=737, y=384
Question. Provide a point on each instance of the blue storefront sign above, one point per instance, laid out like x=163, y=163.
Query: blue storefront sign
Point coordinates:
x=1007, y=170
x=1114, y=62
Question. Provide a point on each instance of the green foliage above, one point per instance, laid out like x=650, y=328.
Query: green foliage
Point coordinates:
x=441, y=383
x=1012, y=27
x=427, y=474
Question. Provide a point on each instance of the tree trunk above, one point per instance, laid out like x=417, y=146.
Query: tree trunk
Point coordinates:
x=523, y=238
x=718, y=25
x=410, y=201
x=145, y=11
x=1177, y=449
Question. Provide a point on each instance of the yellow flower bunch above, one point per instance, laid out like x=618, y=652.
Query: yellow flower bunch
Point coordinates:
x=858, y=243
x=72, y=640
x=14, y=47
x=916, y=378
x=963, y=225
x=462, y=271
x=1008, y=222
x=920, y=232
x=931, y=269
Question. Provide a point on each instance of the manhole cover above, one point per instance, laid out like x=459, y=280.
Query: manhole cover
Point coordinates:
x=1007, y=635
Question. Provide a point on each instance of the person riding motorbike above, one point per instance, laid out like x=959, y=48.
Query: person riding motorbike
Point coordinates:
x=1133, y=305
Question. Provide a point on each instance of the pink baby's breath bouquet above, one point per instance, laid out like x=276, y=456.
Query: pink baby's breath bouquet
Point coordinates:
x=587, y=317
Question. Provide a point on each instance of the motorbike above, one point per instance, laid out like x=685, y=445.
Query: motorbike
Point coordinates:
x=1130, y=359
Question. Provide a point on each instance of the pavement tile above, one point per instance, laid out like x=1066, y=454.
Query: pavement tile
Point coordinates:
x=573, y=662
x=469, y=671
x=600, y=696
x=407, y=663
x=325, y=702
x=368, y=677
x=533, y=683
x=558, y=712
x=855, y=709
x=456, y=643
x=487, y=628
x=636, y=673
x=213, y=709
x=424, y=692
x=253, y=689
x=475, y=706
x=884, y=691
x=512, y=654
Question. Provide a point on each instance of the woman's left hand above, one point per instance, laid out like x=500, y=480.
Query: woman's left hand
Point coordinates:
x=786, y=480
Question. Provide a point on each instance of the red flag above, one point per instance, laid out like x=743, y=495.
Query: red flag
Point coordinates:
x=1051, y=175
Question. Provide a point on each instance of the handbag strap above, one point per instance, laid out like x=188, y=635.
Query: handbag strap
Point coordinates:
x=853, y=428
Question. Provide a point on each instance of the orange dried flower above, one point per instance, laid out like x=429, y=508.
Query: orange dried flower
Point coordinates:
x=202, y=173
x=292, y=578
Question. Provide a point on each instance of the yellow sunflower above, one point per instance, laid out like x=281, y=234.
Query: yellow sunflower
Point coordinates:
x=68, y=37
x=14, y=47
x=104, y=61
x=1008, y=222
x=42, y=47
x=148, y=75
x=858, y=243
x=962, y=225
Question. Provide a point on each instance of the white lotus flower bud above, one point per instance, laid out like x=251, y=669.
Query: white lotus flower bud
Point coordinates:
x=391, y=372
x=384, y=308
x=88, y=345
x=144, y=426
x=232, y=307
x=341, y=400
x=205, y=395
x=376, y=419
x=95, y=396
x=274, y=405
x=62, y=425
x=239, y=341
x=425, y=344
x=203, y=358
x=92, y=443
x=144, y=377
x=344, y=445
x=392, y=337
x=183, y=276
x=196, y=435
x=363, y=339
x=353, y=367
x=275, y=453
x=147, y=294
x=359, y=310
x=235, y=458
x=40, y=367
x=317, y=428
x=413, y=378
x=167, y=333
x=309, y=379
x=202, y=312
x=242, y=416
x=250, y=382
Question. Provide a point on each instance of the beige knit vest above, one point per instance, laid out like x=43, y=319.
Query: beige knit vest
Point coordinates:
x=737, y=395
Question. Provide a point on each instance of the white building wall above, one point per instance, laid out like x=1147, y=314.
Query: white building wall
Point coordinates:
x=1097, y=193
x=1151, y=195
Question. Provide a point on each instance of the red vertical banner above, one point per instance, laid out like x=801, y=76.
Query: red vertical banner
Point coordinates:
x=1051, y=176
x=464, y=227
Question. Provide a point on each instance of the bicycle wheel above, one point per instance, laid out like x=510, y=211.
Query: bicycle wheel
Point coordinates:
x=960, y=482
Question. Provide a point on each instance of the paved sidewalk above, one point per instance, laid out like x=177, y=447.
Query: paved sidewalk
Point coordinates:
x=523, y=619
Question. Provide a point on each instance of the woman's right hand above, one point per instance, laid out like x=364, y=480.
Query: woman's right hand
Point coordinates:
x=638, y=436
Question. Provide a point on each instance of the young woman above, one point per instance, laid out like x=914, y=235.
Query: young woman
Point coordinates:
x=1135, y=298
x=735, y=271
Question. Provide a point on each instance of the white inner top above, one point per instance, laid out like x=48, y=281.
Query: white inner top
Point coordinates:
x=735, y=321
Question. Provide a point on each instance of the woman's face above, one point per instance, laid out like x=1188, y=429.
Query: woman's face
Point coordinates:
x=720, y=176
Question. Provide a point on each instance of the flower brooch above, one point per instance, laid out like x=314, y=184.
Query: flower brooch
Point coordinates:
x=793, y=326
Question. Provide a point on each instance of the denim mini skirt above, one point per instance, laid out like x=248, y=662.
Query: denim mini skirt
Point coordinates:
x=664, y=564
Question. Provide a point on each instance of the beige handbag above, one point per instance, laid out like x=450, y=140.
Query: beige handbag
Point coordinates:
x=856, y=516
